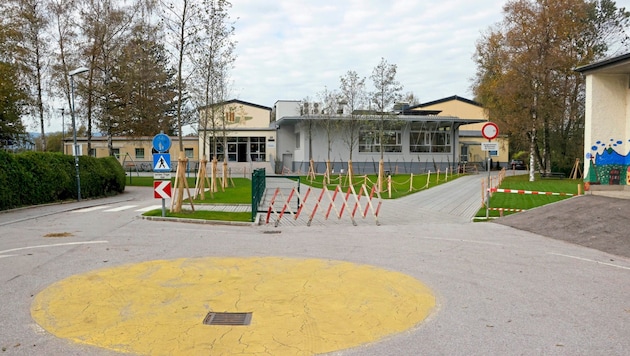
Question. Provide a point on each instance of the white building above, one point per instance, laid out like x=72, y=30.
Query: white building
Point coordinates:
x=413, y=140
x=607, y=122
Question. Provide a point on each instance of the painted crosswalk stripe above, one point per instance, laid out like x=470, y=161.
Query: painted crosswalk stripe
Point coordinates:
x=85, y=210
x=121, y=208
x=148, y=208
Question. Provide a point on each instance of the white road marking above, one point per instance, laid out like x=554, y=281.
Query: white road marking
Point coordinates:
x=589, y=260
x=85, y=210
x=120, y=208
x=148, y=208
x=53, y=245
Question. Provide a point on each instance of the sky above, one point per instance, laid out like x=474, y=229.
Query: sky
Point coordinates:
x=294, y=49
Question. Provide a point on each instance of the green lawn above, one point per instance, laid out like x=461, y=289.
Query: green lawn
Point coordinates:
x=238, y=193
x=529, y=201
x=402, y=184
x=204, y=215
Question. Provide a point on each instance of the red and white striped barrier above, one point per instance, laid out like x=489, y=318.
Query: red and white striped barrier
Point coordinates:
x=502, y=210
x=346, y=199
x=518, y=191
x=511, y=210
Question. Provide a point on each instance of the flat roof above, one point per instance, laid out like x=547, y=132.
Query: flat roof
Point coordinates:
x=615, y=65
x=406, y=118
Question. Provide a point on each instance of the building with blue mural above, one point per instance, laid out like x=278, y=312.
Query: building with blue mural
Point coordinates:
x=607, y=122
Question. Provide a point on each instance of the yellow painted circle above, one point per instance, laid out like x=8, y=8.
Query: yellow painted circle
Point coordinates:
x=299, y=307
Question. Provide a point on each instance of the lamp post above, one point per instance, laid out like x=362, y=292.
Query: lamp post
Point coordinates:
x=74, y=127
x=63, y=134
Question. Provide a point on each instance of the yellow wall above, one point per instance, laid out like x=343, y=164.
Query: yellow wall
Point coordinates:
x=239, y=115
x=464, y=110
x=127, y=148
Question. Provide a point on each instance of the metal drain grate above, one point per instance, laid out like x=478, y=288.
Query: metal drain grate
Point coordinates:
x=228, y=318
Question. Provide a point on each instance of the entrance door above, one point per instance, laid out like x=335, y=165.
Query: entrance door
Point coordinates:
x=287, y=162
x=463, y=157
x=242, y=152
x=615, y=177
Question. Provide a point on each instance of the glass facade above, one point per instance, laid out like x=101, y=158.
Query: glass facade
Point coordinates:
x=429, y=138
x=240, y=149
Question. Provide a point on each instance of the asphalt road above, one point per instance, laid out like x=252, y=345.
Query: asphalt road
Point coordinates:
x=498, y=290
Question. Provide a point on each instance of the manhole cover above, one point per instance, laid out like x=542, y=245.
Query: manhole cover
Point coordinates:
x=228, y=318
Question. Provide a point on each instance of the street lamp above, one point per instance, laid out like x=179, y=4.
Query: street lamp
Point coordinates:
x=63, y=134
x=74, y=127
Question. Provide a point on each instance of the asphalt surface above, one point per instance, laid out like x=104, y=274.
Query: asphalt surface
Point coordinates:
x=498, y=290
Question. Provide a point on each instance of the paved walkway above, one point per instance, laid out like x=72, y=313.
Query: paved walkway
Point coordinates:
x=124, y=285
x=455, y=201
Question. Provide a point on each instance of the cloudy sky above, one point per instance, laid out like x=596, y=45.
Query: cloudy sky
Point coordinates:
x=291, y=49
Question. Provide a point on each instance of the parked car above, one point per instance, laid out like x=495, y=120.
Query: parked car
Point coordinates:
x=518, y=164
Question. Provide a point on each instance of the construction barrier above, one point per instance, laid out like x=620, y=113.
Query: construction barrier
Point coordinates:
x=501, y=210
x=350, y=202
x=518, y=191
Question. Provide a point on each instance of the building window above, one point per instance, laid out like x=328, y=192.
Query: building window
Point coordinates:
x=297, y=140
x=189, y=152
x=229, y=116
x=139, y=153
x=257, y=148
x=116, y=152
x=370, y=141
x=92, y=152
x=426, y=137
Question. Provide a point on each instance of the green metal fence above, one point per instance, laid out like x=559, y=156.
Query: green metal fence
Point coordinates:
x=258, y=190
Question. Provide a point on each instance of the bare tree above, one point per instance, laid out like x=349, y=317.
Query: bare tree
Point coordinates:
x=31, y=23
x=386, y=93
x=181, y=20
x=213, y=58
x=63, y=27
x=105, y=24
x=353, y=98
x=331, y=111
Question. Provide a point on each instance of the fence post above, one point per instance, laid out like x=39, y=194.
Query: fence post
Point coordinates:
x=258, y=189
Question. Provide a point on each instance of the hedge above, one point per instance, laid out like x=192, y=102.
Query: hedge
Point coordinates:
x=32, y=178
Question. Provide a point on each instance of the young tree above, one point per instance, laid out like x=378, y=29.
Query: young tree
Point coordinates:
x=213, y=57
x=525, y=75
x=386, y=93
x=181, y=21
x=309, y=110
x=353, y=97
x=329, y=120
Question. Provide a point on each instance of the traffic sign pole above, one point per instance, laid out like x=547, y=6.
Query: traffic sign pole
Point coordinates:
x=489, y=131
x=161, y=165
x=488, y=190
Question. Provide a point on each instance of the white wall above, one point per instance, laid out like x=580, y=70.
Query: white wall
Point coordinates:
x=607, y=114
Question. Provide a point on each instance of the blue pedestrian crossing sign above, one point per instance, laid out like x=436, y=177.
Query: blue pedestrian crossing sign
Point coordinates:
x=161, y=162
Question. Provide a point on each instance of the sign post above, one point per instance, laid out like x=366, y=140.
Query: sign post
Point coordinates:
x=489, y=131
x=162, y=189
x=162, y=169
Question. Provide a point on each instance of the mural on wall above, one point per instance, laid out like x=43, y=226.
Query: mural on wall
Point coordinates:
x=608, y=167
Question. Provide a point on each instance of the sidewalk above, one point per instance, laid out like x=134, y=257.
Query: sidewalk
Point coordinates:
x=455, y=201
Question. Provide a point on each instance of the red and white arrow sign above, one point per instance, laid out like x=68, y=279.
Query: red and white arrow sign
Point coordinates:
x=162, y=189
